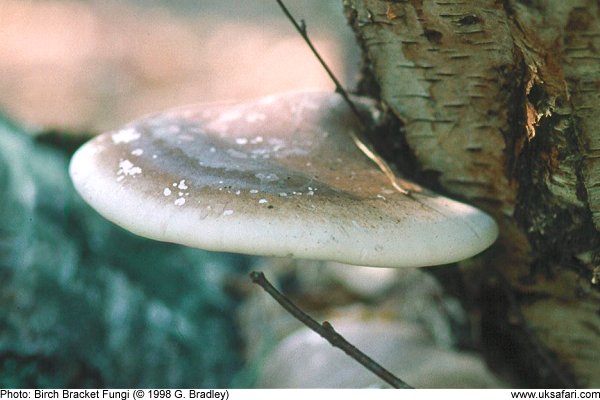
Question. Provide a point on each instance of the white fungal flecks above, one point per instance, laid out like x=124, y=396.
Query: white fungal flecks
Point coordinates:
x=241, y=141
x=137, y=152
x=154, y=156
x=253, y=191
x=256, y=140
x=126, y=168
x=227, y=212
x=282, y=194
x=263, y=201
x=125, y=136
x=182, y=186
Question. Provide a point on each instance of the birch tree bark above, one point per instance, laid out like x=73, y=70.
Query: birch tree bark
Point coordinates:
x=498, y=104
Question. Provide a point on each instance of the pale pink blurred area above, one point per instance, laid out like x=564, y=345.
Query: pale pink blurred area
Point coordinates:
x=90, y=66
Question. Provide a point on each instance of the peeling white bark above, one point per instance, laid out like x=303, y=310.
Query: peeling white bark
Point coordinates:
x=502, y=101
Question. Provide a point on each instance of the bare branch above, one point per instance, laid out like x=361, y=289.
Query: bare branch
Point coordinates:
x=326, y=331
x=359, y=141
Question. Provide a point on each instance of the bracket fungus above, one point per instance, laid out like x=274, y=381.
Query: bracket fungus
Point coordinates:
x=278, y=176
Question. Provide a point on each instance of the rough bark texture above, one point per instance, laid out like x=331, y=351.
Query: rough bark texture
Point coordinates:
x=498, y=103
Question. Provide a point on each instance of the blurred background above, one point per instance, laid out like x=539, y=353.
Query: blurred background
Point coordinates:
x=92, y=65
x=86, y=304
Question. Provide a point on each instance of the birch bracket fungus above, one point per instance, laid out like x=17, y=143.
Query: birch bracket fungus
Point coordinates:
x=279, y=176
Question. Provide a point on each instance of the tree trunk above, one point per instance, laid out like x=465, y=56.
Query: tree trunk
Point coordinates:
x=498, y=103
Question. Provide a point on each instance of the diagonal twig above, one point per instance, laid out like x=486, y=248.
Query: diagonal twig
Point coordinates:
x=326, y=331
x=301, y=28
x=358, y=141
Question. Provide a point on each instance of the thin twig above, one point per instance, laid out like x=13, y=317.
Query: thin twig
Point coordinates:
x=360, y=142
x=326, y=331
x=301, y=28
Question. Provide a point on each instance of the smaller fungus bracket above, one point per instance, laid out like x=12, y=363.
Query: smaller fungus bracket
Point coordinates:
x=275, y=176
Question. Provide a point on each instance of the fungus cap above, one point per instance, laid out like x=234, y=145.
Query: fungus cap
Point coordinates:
x=278, y=176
